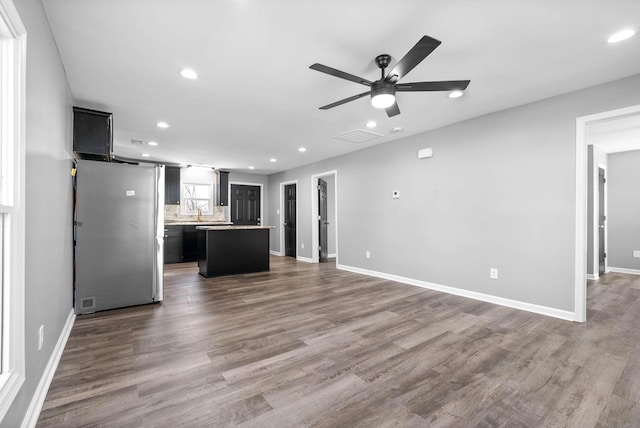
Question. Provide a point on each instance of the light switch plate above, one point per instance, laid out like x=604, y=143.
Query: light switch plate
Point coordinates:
x=636, y=254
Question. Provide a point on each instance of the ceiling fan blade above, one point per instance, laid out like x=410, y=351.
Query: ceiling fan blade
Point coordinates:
x=420, y=51
x=393, y=110
x=341, y=74
x=346, y=100
x=444, y=85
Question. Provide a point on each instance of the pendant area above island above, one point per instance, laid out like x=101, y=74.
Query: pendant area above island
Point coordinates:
x=230, y=250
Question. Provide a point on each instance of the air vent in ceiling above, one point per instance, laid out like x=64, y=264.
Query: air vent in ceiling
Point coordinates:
x=137, y=142
x=357, y=136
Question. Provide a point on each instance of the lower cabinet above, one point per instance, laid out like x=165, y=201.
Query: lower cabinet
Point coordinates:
x=189, y=244
x=180, y=244
x=172, y=244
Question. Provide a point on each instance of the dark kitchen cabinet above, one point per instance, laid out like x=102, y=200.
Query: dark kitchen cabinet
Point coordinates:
x=223, y=188
x=173, y=244
x=172, y=185
x=180, y=244
x=189, y=244
x=92, y=134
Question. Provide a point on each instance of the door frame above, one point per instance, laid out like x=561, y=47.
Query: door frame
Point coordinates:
x=580, y=265
x=314, y=215
x=240, y=183
x=282, y=250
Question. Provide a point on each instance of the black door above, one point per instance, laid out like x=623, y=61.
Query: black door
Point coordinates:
x=290, y=220
x=322, y=219
x=245, y=204
x=601, y=219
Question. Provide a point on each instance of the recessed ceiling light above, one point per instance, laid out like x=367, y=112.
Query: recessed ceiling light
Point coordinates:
x=152, y=143
x=371, y=124
x=302, y=150
x=145, y=155
x=162, y=125
x=273, y=160
x=188, y=73
x=455, y=94
x=252, y=167
x=621, y=35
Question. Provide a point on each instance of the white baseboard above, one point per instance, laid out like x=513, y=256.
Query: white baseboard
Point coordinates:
x=530, y=307
x=304, y=259
x=592, y=277
x=275, y=253
x=331, y=255
x=623, y=270
x=33, y=412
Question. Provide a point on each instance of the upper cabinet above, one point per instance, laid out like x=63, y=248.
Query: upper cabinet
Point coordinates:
x=92, y=134
x=223, y=188
x=172, y=185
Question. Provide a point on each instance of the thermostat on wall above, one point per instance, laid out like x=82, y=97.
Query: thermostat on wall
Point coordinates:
x=425, y=153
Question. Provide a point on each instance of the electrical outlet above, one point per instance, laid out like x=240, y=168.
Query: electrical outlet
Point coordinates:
x=367, y=254
x=636, y=254
x=493, y=273
x=40, y=337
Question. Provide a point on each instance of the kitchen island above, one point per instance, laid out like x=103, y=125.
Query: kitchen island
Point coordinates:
x=229, y=250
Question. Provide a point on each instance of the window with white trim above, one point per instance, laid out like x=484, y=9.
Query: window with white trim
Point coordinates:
x=197, y=197
x=12, y=215
x=197, y=190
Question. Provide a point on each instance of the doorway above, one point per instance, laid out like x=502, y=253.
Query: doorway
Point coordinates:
x=602, y=266
x=246, y=201
x=290, y=220
x=323, y=222
x=582, y=172
x=324, y=217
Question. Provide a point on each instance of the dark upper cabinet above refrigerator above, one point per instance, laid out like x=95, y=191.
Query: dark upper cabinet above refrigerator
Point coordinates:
x=172, y=185
x=92, y=134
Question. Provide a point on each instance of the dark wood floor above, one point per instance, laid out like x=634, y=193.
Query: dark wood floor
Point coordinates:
x=308, y=345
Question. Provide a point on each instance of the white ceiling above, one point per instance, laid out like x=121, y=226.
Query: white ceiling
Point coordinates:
x=617, y=135
x=256, y=97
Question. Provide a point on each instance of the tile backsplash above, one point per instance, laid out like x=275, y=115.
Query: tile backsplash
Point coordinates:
x=172, y=213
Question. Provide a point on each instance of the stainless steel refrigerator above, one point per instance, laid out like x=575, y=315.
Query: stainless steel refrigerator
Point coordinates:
x=118, y=233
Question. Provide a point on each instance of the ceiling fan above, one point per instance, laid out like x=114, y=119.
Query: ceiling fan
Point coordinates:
x=383, y=91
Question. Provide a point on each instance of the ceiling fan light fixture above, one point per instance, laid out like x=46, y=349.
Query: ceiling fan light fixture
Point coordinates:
x=383, y=95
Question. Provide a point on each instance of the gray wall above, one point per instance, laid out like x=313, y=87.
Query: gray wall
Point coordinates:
x=623, y=199
x=499, y=192
x=595, y=158
x=48, y=290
